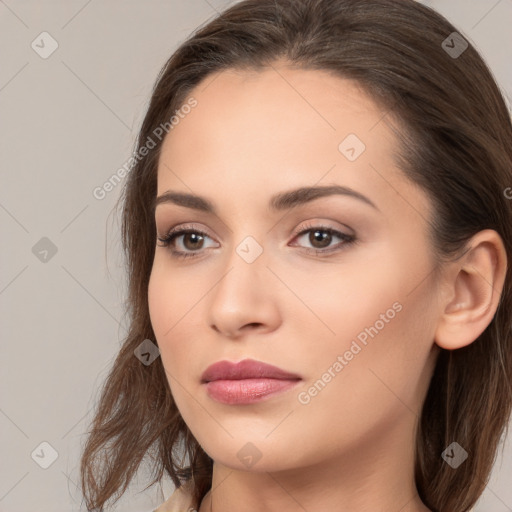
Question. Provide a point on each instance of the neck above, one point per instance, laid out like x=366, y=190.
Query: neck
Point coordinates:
x=374, y=475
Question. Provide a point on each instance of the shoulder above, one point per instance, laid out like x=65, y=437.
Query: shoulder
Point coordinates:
x=181, y=500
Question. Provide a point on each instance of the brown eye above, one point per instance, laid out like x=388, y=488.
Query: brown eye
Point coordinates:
x=190, y=242
x=195, y=240
x=320, y=239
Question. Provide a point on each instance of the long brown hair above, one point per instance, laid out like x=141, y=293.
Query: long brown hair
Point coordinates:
x=455, y=143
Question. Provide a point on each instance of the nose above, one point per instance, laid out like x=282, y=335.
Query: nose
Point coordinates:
x=244, y=299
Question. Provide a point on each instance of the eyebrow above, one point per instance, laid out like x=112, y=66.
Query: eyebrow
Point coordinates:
x=282, y=201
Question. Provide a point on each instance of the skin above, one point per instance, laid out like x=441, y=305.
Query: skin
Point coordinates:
x=351, y=448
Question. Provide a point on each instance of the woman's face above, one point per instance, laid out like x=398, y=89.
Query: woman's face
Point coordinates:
x=355, y=321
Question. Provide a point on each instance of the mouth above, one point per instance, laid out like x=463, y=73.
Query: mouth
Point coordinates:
x=246, y=391
x=246, y=382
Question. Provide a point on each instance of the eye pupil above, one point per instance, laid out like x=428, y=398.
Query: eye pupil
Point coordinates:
x=324, y=238
x=195, y=237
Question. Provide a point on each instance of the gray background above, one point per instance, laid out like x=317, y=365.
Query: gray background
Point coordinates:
x=68, y=122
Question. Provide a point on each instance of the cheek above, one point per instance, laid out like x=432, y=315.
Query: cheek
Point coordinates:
x=337, y=302
x=375, y=384
x=158, y=303
x=377, y=319
x=172, y=296
x=166, y=307
x=174, y=302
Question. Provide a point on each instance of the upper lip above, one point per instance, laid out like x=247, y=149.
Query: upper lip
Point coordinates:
x=246, y=369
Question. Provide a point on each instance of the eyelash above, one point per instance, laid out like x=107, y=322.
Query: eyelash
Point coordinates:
x=166, y=241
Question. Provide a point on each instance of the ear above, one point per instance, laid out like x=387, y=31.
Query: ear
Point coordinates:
x=473, y=287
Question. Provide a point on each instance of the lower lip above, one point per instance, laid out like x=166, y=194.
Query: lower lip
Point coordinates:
x=246, y=391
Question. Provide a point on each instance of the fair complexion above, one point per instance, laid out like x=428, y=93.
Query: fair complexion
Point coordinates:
x=251, y=136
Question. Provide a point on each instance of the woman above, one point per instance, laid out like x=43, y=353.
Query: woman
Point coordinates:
x=318, y=246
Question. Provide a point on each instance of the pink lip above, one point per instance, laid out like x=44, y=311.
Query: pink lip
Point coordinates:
x=246, y=382
x=246, y=369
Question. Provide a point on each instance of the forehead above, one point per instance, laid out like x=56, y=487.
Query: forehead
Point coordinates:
x=264, y=130
x=273, y=100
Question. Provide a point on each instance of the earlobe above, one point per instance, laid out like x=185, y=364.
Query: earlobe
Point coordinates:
x=474, y=290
